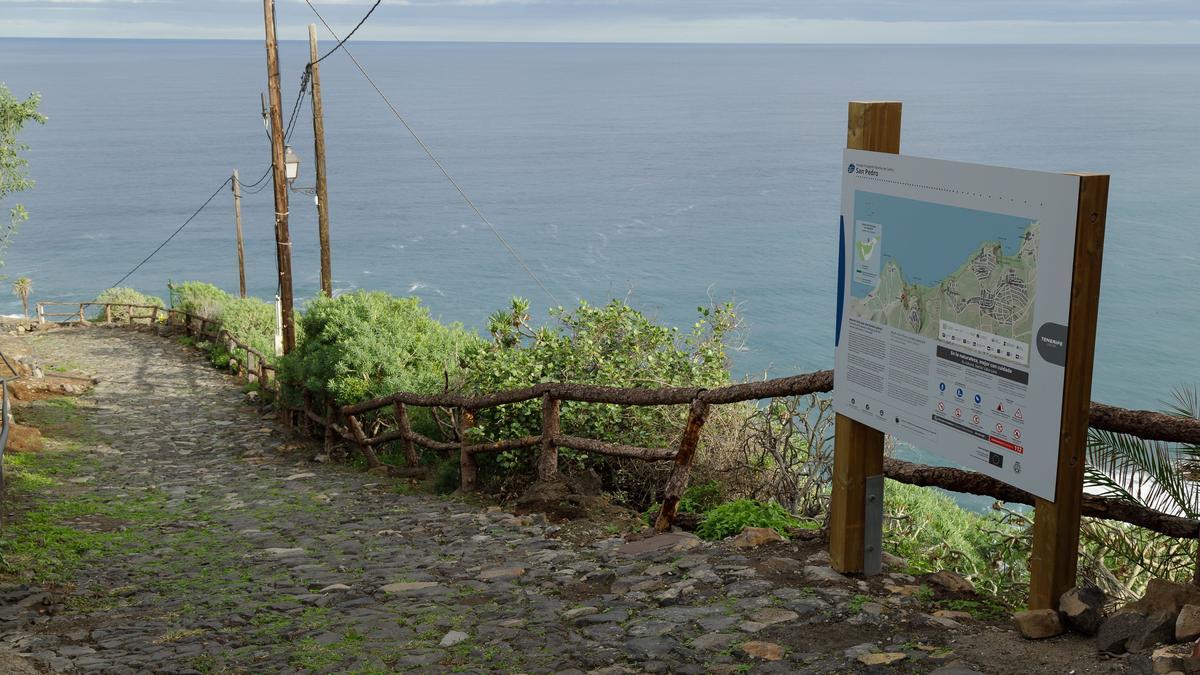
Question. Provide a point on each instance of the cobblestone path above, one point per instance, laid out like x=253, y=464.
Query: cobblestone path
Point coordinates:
x=236, y=554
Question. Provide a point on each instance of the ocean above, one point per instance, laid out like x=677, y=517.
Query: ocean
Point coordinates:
x=671, y=175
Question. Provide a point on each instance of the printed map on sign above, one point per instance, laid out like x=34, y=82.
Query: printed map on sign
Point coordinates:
x=956, y=275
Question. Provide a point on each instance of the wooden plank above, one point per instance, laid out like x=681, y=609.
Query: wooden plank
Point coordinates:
x=1055, y=554
x=858, y=449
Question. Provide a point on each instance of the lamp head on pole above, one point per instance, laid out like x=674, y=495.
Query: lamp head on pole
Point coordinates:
x=291, y=164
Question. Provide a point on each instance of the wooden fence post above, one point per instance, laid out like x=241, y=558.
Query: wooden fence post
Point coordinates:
x=330, y=411
x=677, y=483
x=547, y=467
x=41, y=313
x=107, y=313
x=404, y=425
x=367, y=451
x=129, y=313
x=81, y=319
x=468, y=469
x=858, y=449
x=1055, y=553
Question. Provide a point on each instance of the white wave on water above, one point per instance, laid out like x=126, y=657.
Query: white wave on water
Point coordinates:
x=418, y=286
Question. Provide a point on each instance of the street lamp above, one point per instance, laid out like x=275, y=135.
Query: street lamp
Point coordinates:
x=291, y=164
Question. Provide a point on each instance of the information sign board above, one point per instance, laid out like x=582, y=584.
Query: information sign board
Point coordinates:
x=953, y=302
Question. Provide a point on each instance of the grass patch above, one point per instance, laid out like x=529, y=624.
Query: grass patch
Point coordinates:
x=52, y=539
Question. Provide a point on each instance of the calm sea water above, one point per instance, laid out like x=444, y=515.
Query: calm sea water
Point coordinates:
x=674, y=175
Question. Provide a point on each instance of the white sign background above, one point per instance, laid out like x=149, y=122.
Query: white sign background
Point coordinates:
x=938, y=348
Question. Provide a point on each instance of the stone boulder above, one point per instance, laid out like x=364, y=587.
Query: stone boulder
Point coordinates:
x=1162, y=595
x=951, y=581
x=753, y=537
x=1082, y=609
x=1158, y=628
x=1037, y=624
x=1187, y=624
x=24, y=439
x=1115, y=633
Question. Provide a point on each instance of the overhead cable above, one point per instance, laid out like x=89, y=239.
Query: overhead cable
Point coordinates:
x=429, y=153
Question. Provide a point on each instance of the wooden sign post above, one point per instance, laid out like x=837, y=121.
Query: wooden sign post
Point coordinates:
x=856, y=509
x=1055, y=555
x=855, y=546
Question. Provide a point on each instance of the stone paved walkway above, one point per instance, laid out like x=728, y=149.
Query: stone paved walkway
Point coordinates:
x=244, y=557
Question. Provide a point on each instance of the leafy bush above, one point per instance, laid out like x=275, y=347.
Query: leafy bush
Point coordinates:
x=199, y=298
x=732, y=517
x=252, y=321
x=614, y=345
x=125, y=296
x=362, y=345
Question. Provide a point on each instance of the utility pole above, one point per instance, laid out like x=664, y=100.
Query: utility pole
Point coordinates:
x=283, y=244
x=237, y=216
x=319, y=150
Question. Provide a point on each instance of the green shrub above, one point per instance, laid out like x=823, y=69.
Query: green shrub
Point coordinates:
x=125, y=296
x=362, y=345
x=732, y=517
x=251, y=321
x=199, y=298
x=615, y=346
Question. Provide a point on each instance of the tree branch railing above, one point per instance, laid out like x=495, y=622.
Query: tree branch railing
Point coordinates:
x=346, y=422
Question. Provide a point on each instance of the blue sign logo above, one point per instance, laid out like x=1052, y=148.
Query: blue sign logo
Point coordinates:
x=850, y=169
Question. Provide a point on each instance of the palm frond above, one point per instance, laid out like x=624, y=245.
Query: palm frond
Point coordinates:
x=1144, y=472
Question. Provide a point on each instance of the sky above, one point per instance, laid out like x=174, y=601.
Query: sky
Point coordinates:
x=721, y=21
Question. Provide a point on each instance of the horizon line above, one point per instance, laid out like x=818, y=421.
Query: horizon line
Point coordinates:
x=626, y=42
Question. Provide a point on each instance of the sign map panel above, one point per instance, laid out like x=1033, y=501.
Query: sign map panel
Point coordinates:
x=954, y=293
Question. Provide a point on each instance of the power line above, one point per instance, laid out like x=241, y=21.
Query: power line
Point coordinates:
x=348, y=35
x=432, y=157
x=177, y=231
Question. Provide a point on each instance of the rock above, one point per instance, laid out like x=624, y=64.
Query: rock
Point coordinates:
x=579, y=612
x=452, y=638
x=1082, y=609
x=1158, y=628
x=881, y=658
x=782, y=565
x=1187, y=624
x=283, y=552
x=714, y=641
x=1162, y=595
x=1115, y=633
x=1037, y=624
x=668, y=542
x=501, y=573
x=859, y=649
x=953, y=615
x=753, y=537
x=335, y=587
x=408, y=587
x=894, y=561
x=772, y=615
x=767, y=651
x=823, y=573
x=951, y=581
x=24, y=439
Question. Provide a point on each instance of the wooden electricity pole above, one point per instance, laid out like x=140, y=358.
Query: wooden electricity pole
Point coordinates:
x=319, y=150
x=283, y=244
x=237, y=217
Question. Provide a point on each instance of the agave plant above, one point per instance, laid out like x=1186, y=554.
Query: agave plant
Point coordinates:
x=1158, y=475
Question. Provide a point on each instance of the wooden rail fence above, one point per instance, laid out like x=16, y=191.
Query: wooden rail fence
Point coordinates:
x=347, y=422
